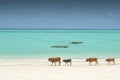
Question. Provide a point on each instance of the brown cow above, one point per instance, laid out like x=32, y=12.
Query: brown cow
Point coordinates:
x=90, y=60
x=109, y=60
x=54, y=60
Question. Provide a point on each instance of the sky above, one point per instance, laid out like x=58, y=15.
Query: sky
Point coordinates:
x=60, y=14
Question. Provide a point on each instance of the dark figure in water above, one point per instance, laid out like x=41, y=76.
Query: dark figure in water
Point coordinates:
x=67, y=61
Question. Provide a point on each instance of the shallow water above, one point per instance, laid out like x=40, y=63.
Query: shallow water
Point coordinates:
x=37, y=43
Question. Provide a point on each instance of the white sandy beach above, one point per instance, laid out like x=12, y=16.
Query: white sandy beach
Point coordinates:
x=41, y=70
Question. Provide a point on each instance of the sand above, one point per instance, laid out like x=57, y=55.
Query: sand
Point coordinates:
x=40, y=70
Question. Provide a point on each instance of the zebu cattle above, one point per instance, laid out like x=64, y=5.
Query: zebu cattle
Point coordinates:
x=90, y=60
x=67, y=61
x=54, y=60
x=109, y=60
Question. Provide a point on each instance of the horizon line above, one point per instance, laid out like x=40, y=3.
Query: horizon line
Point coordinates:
x=51, y=29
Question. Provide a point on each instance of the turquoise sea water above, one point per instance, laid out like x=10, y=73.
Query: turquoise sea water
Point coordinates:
x=36, y=43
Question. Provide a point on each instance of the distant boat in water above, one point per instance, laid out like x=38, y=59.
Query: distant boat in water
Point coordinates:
x=60, y=46
x=76, y=42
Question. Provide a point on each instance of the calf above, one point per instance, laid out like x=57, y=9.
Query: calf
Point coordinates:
x=67, y=61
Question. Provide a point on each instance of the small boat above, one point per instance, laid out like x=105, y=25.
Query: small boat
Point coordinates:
x=76, y=42
x=58, y=46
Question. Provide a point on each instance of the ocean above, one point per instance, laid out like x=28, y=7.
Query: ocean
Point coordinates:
x=37, y=43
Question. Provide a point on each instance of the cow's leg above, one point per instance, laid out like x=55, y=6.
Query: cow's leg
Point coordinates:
x=110, y=63
x=96, y=63
x=65, y=63
x=55, y=63
x=114, y=62
x=52, y=64
x=59, y=63
x=70, y=63
x=107, y=63
x=90, y=64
